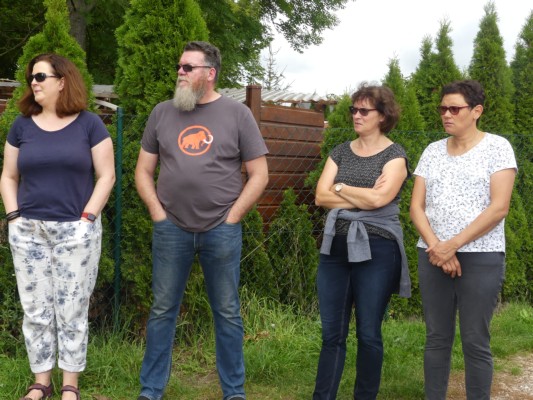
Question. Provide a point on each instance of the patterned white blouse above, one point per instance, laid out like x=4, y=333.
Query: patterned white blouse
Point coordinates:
x=458, y=189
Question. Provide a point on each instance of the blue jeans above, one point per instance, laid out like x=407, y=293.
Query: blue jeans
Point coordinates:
x=474, y=295
x=368, y=285
x=173, y=253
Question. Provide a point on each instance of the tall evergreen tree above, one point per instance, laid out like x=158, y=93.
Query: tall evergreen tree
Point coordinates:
x=522, y=70
x=54, y=38
x=434, y=71
x=426, y=83
x=522, y=76
x=490, y=68
x=151, y=40
x=410, y=118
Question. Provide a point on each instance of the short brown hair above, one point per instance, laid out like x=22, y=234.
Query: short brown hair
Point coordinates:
x=382, y=98
x=73, y=97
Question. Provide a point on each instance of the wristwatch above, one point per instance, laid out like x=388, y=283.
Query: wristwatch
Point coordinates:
x=338, y=187
x=89, y=216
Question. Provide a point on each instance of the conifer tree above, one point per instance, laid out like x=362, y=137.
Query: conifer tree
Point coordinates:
x=410, y=118
x=522, y=76
x=489, y=67
x=54, y=38
x=293, y=253
x=426, y=83
x=256, y=272
x=434, y=71
x=150, y=42
x=522, y=69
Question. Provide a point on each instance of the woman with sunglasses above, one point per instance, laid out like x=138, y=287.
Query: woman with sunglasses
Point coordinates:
x=460, y=198
x=57, y=176
x=362, y=260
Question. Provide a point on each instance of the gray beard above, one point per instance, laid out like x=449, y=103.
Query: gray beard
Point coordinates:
x=186, y=98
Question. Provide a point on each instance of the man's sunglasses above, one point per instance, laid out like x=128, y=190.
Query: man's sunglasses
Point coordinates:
x=40, y=77
x=363, y=111
x=454, y=110
x=189, y=67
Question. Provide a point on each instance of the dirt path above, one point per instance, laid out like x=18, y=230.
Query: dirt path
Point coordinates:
x=513, y=381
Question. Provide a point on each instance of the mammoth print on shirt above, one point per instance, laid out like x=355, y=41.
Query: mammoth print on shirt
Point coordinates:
x=195, y=140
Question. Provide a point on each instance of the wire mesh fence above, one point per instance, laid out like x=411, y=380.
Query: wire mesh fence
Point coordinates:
x=280, y=237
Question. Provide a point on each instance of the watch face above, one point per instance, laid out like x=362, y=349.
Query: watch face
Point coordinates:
x=89, y=216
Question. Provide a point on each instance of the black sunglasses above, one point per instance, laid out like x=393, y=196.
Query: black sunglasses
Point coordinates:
x=189, y=67
x=40, y=77
x=454, y=110
x=363, y=111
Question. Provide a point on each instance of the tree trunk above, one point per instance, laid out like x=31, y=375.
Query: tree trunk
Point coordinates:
x=78, y=11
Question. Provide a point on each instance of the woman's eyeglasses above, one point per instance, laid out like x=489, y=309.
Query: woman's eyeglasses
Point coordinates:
x=189, y=67
x=454, y=110
x=363, y=111
x=40, y=77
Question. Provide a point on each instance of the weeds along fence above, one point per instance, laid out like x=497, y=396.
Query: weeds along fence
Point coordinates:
x=280, y=236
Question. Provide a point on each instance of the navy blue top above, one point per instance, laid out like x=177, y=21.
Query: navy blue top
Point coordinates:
x=56, y=168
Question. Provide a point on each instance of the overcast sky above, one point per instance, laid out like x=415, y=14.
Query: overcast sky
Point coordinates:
x=372, y=32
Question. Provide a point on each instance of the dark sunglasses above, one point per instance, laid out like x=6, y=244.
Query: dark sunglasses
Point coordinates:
x=363, y=111
x=40, y=77
x=454, y=110
x=189, y=67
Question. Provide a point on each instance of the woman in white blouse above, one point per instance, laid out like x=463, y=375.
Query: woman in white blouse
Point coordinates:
x=462, y=192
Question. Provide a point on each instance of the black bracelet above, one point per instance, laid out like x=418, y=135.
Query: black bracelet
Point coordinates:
x=12, y=215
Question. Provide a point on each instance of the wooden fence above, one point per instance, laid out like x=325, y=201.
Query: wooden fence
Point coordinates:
x=293, y=137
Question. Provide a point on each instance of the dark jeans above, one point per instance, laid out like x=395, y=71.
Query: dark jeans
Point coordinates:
x=474, y=295
x=368, y=285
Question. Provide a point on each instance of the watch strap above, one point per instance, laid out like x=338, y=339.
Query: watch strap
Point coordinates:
x=89, y=216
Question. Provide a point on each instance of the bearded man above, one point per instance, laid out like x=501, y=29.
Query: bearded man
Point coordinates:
x=200, y=140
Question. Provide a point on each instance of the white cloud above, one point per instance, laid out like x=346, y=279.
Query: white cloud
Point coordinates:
x=372, y=32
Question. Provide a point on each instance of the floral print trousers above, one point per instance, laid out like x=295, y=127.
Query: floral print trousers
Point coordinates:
x=56, y=265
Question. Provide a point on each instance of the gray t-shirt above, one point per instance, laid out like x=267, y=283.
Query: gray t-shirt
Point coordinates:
x=201, y=154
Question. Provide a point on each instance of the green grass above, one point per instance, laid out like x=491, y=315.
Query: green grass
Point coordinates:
x=281, y=352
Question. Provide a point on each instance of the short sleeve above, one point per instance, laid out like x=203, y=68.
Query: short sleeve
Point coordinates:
x=98, y=131
x=251, y=142
x=336, y=153
x=502, y=155
x=13, y=134
x=149, y=141
x=423, y=164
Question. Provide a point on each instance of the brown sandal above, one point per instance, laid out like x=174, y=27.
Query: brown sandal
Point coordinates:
x=47, y=391
x=69, y=388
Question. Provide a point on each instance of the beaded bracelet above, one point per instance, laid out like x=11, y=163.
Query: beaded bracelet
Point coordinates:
x=12, y=215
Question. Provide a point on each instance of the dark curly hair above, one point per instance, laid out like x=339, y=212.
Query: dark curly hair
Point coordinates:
x=382, y=98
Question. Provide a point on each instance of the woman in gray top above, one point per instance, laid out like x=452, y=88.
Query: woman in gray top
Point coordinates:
x=362, y=260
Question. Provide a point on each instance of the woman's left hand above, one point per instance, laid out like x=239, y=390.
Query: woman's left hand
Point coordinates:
x=452, y=267
x=441, y=252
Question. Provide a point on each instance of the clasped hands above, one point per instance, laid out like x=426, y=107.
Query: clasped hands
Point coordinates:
x=443, y=255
